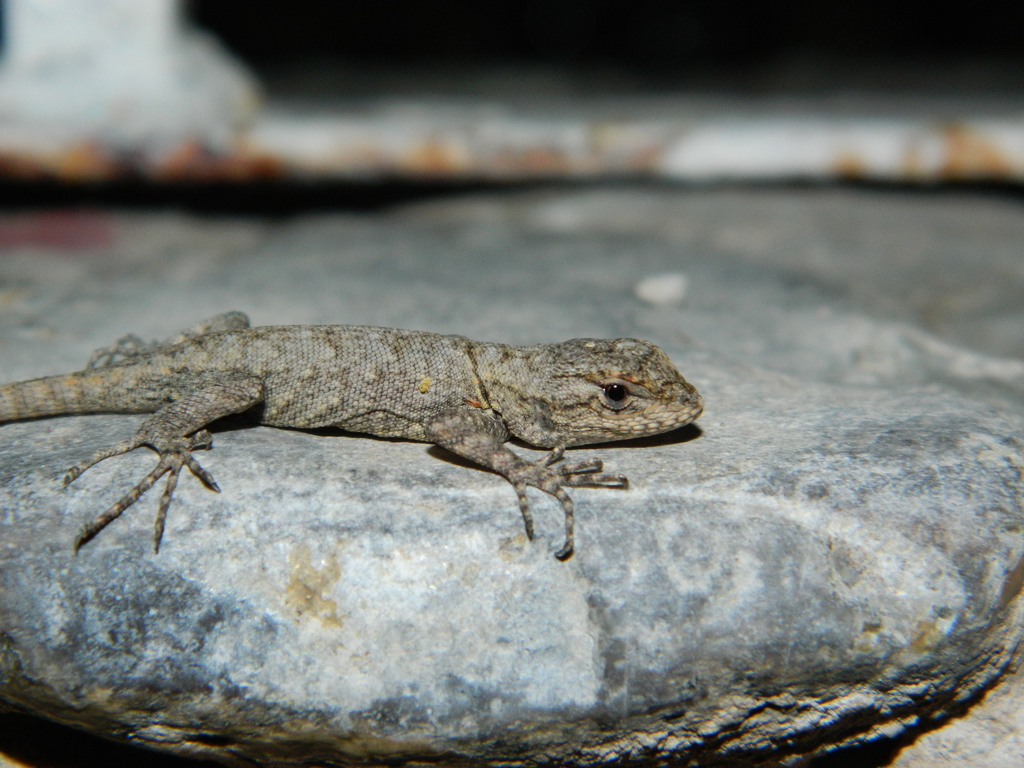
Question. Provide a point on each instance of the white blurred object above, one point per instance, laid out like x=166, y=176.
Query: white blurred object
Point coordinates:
x=119, y=73
x=808, y=147
x=664, y=290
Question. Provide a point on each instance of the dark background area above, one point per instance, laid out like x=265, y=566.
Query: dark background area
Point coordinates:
x=656, y=38
x=42, y=744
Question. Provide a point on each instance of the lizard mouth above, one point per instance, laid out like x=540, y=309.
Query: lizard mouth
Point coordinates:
x=693, y=405
x=689, y=409
x=664, y=417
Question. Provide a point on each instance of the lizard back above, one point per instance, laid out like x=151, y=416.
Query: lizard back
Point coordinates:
x=383, y=381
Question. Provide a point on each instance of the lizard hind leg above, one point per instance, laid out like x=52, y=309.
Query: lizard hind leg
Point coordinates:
x=174, y=432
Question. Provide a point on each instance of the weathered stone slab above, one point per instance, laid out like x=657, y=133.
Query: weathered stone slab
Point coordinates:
x=832, y=553
x=811, y=565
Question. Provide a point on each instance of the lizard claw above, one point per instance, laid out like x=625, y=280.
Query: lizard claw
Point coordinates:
x=524, y=507
x=200, y=441
x=203, y=475
x=555, y=456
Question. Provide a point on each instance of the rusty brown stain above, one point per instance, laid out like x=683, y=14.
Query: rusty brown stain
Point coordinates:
x=14, y=166
x=82, y=162
x=967, y=154
x=87, y=162
x=647, y=160
x=532, y=162
x=189, y=161
x=849, y=166
x=545, y=160
x=971, y=156
x=435, y=157
x=194, y=162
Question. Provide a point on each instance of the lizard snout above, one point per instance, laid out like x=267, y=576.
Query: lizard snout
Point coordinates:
x=691, y=401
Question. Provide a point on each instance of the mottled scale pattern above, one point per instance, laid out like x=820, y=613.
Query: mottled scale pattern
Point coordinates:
x=360, y=378
x=463, y=395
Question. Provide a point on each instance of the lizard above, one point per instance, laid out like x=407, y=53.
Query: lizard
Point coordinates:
x=467, y=397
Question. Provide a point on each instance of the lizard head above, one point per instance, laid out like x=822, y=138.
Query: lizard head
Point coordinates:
x=595, y=390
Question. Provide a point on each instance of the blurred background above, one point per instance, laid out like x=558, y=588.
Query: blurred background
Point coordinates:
x=224, y=104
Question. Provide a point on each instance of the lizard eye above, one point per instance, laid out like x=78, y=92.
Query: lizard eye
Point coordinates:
x=616, y=396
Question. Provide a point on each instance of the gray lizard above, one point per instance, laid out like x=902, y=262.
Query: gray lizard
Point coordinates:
x=466, y=396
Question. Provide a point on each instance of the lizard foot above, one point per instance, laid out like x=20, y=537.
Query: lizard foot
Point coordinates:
x=174, y=453
x=553, y=480
x=131, y=346
x=124, y=348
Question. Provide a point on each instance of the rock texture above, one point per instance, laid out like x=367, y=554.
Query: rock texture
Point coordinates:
x=832, y=554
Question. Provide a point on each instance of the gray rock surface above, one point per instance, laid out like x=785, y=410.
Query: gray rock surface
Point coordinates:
x=832, y=555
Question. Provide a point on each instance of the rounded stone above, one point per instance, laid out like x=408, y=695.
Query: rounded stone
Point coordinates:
x=808, y=563
x=833, y=552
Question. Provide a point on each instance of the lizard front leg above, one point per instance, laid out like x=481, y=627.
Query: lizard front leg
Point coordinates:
x=480, y=438
x=174, y=432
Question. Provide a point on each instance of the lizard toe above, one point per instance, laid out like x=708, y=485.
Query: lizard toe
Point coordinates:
x=582, y=467
x=598, y=481
x=524, y=508
x=203, y=475
x=200, y=441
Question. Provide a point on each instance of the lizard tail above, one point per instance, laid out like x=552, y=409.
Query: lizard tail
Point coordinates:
x=82, y=392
